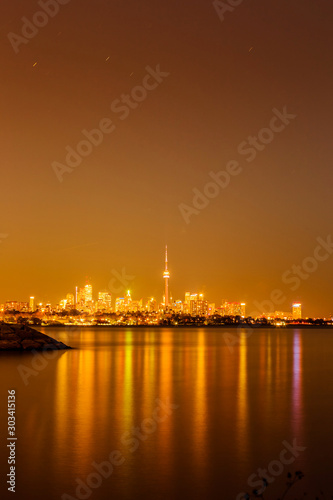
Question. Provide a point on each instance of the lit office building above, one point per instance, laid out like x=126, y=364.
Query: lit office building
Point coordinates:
x=70, y=300
x=84, y=299
x=233, y=309
x=211, y=309
x=192, y=296
x=62, y=304
x=80, y=300
x=178, y=306
x=297, y=310
x=120, y=304
x=199, y=307
x=282, y=315
x=32, y=304
x=104, y=301
x=195, y=304
x=126, y=304
x=14, y=305
x=135, y=306
x=88, y=293
x=151, y=305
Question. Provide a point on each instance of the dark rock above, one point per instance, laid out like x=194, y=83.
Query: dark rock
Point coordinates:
x=9, y=345
x=9, y=336
x=29, y=345
x=7, y=329
x=24, y=338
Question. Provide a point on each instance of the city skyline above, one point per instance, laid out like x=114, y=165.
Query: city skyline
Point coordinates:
x=83, y=299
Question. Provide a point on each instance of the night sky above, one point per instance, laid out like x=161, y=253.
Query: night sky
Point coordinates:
x=120, y=206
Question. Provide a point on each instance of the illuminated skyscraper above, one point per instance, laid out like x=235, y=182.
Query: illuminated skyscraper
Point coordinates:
x=233, y=309
x=62, y=304
x=297, y=310
x=199, y=307
x=120, y=304
x=80, y=297
x=84, y=297
x=195, y=304
x=32, y=304
x=104, y=301
x=151, y=305
x=70, y=299
x=88, y=293
x=166, y=276
x=128, y=298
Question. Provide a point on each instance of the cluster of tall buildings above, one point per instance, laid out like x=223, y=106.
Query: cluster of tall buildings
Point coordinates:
x=82, y=300
x=194, y=303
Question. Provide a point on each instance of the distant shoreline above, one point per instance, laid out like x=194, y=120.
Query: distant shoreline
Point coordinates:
x=251, y=327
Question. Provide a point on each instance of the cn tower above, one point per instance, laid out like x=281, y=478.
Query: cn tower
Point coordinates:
x=166, y=276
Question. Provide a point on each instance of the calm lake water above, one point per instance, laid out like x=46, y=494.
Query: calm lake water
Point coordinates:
x=206, y=415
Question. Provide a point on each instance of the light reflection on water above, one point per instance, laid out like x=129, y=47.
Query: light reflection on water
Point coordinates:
x=235, y=409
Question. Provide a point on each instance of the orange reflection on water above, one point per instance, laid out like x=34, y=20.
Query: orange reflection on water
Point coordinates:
x=149, y=373
x=164, y=393
x=101, y=394
x=117, y=382
x=297, y=403
x=242, y=397
x=269, y=380
x=199, y=422
x=127, y=412
x=62, y=423
x=76, y=403
x=262, y=362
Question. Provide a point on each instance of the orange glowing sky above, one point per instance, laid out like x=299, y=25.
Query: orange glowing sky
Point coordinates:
x=120, y=206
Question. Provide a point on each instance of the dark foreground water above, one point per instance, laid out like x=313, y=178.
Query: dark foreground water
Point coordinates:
x=182, y=414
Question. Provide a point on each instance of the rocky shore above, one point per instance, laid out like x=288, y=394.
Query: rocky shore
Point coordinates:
x=24, y=338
